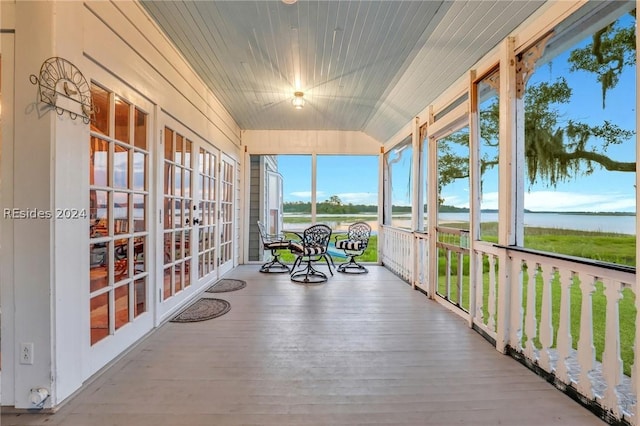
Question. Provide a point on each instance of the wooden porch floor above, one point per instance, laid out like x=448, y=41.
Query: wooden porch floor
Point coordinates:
x=356, y=350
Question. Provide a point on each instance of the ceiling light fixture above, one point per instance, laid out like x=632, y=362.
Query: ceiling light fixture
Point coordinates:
x=298, y=100
x=289, y=1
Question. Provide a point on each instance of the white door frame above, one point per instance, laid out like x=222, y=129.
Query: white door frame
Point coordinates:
x=227, y=213
x=208, y=211
x=168, y=307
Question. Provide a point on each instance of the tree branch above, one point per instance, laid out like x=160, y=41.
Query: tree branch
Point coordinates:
x=603, y=160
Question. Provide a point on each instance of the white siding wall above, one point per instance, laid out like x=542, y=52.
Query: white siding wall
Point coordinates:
x=115, y=44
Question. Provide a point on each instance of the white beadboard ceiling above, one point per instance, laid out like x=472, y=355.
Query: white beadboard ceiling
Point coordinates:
x=367, y=66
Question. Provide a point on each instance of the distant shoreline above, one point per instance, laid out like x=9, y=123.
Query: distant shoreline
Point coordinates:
x=586, y=213
x=609, y=222
x=467, y=211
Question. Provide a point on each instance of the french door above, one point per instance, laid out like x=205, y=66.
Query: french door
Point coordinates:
x=178, y=223
x=120, y=275
x=195, y=239
x=208, y=211
x=227, y=212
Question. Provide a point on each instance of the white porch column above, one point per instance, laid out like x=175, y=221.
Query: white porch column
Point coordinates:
x=507, y=189
x=416, y=197
x=475, y=193
x=636, y=361
x=417, y=202
x=432, y=201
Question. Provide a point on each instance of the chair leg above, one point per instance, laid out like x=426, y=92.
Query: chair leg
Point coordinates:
x=295, y=264
x=331, y=258
x=308, y=274
x=352, y=267
x=326, y=259
x=275, y=266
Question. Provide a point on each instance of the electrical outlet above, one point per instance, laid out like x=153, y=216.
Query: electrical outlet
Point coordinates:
x=26, y=353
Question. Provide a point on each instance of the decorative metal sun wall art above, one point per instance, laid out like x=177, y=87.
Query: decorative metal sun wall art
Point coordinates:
x=62, y=85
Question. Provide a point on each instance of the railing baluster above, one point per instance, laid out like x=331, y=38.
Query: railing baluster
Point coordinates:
x=611, y=360
x=459, y=279
x=530, y=326
x=517, y=279
x=476, y=307
x=422, y=262
x=403, y=251
x=406, y=244
x=546, y=325
x=586, y=349
x=564, y=330
x=491, y=323
x=409, y=257
x=448, y=273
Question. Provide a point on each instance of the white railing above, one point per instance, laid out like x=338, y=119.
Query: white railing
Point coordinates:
x=484, y=308
x=452, y=280
x=542, y=330
x=421, y=271
x=397, y=253
x=528, y=302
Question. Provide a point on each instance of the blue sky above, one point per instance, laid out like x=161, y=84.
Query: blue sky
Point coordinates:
x=355, y=178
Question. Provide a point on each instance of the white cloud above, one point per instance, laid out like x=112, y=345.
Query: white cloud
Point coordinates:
x=455, y=200
x=301, y=194
x=578, y=202
x=563, y=201
x=490, y=200
x=367, y=198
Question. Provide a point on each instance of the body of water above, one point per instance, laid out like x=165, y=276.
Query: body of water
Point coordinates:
x=580, y=222
x=596, y=223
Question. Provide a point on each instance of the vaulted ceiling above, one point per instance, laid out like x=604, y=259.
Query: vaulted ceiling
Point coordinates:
x=367, y=66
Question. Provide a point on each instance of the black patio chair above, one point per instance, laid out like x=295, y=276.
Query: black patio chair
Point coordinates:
x=353, y=243
x=273, y=242
x=311, y=248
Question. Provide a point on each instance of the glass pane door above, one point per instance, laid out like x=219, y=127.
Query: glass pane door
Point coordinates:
x=118, y=212
x=227, y=181
x=177, y=213
x=208, y=181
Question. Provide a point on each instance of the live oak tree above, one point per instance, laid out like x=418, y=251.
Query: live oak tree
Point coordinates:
x=558, y=149
x=334, y=200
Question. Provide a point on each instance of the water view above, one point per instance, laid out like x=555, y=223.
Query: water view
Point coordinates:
x=583, y=222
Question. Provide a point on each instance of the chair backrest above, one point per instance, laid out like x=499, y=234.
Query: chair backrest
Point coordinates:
x=359, y=231
x=263, y=233
x=317, y=236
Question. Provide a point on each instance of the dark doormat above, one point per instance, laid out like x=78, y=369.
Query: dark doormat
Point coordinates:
x=203, y=309
x=225, y=285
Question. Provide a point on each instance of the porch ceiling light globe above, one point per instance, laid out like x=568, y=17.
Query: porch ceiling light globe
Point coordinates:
x=298, y=100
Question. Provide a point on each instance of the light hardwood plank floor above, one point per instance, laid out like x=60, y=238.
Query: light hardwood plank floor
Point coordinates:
x=358, y=349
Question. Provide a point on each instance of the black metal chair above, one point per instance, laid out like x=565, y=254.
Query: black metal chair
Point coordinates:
x=354, y=243
x=274, y=243
x=311, y=248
